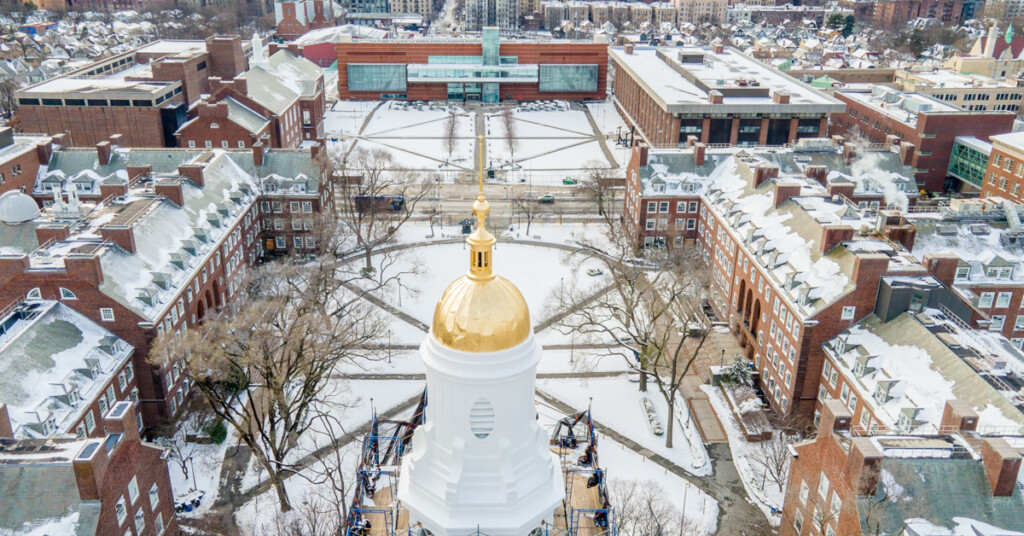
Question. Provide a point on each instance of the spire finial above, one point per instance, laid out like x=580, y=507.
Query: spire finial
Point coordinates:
x=481, y=241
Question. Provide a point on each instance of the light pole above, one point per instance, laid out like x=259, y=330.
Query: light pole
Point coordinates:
x=389, y=345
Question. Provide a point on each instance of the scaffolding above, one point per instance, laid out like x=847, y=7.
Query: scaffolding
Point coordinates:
x=376, y=511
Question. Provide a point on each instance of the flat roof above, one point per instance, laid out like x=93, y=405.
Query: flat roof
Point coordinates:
x=947, y=79
x=174, y=47
x=905, y=108
x=681, y=78
x=1013, y=139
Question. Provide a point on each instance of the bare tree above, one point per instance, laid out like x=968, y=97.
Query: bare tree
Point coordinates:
x=376, y=199
x=179, y=449
x=595, y=185
x=651, y=310
x=451, y=129
x=266, y=369
x=528, y=208
x=8, y=103
x=511, y=137
x=774, y=458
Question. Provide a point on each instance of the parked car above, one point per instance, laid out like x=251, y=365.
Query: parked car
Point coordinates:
x=547, y=198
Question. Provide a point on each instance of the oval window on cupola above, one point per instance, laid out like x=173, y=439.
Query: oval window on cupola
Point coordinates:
x=481, y=418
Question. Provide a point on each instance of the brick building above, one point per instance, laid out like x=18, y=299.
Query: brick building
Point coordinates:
x=487, y=71
x=718, y=96
x=895, y=369
x=985, y=266
x=113, y=484
x=142, y=94
x=280, y=101
x=844, y=483
x=62, y=372
x=20, y=157
x=296, y=17
x=1004, y=175
x=924, y=126
x=793, y=263
x=153, y=256
x=896, y=13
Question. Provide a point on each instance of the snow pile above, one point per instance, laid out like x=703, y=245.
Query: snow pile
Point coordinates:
x=52, y=527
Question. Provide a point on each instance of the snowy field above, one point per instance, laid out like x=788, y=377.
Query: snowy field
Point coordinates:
x=616, y=403
x=345, y=118
x=536, y=270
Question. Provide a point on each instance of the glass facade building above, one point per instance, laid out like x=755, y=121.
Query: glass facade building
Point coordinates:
x=474, y=76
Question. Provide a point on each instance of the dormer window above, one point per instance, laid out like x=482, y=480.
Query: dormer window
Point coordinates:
x=904, y=423
x=840, y=345
x=963, y=272
x=858, y=369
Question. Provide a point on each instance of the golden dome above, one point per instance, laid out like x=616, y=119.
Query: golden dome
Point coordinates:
x=481, y=312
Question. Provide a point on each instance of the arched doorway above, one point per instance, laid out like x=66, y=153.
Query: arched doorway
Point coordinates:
x=742, y=293
x=755, y=318
x=200, y=311
x=750, y=298
x=217, y=295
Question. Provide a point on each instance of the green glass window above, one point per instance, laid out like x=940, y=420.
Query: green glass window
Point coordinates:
x=376, y=77
x=556, y=78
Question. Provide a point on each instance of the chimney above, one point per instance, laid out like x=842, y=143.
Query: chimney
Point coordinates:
x=818, y=173
x=990, y=42
x=52, y=231
x=907, y=153
x=121, y=420
x=6, y=430
x=835, y=417
x=869, y=268
x=763, y=172
x=44, y=149
x=257, y=153
x=628, y=48
x=780, y=96
x=715, y=97
x=103, y=152
x=958, y=416
x=84, y=267
x=892, y=139
x=138, y=172
x=838, y=140
x=864, y=464
x=844, y=189
x=115, y=139
x=691, y=140
x=122, y=235
x=832, y=235
x=902, y=234
x=314, y=149
x=849, y=153
x=192, y=172
x=170, y=189
x=90, y=466
x=719, y=49
x=1002, y=463
x=107, y=190
x=58, y=139
x=942, y=266
x=784, y=191
x=698, y=153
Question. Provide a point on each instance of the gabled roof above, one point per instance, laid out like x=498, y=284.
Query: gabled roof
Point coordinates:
x=244, y=116
x=266, y=89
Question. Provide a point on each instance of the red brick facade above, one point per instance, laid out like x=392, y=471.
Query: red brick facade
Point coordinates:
x=932, y=136
x=18, y=170
x=527, y=53
x=212, y=128
x=1004, y=176
x=296, y=17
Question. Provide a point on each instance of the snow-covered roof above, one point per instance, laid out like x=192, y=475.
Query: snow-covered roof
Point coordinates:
x=988, y=250
x=244, y=116
x=53, y=363
x=907, y=368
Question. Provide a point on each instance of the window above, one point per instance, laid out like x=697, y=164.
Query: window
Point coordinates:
x=191, y=144
x=90, y=421
x=652, y=206
x=986, y=299
x=377, y=77
x=34, y=294
x=121, y=511
x=822, y=393
x=208, y=144
x=680, y=206
x=134, y=396
x=224, y=144
x=140, y=521
x=848, y=312
x=80, y=431
x=66, y=294
x=310, y=242
x=823, y=486
x=798, y=522
x=649, y=224
x=844, y=394
x=805, y=490
x=963, y=272
x=129, y=371
x=103, y=406
x=663, y=206
x=154, y=497
x=106, y=314
x=133, y=490
x=852, y=404
x=297, y=242
x=158, y=524
x=997, y=323
x=280, y=243
x=691, y=224
x=1003, y=299
x=122, y=381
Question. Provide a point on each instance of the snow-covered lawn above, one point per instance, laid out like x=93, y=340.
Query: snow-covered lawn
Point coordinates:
x=346, y=117
x=203, y=475
x=607, y=117
x=744, y=454
x=616, y=403
x=537, y=271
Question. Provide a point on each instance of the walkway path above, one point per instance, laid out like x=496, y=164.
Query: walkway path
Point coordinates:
x=601, y=137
